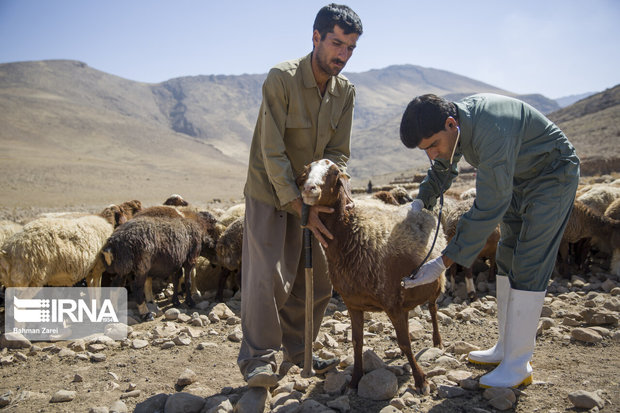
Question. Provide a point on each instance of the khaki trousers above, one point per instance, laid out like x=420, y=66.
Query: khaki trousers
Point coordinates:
x=273, y=287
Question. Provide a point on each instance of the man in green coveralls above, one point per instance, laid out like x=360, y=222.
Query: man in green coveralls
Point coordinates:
x=306, y=115
x=527, y=176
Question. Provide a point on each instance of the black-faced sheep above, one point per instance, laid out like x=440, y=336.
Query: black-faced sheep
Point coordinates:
x=585, y=223
x=157, y=247
x=453, y=211
x=373, y=248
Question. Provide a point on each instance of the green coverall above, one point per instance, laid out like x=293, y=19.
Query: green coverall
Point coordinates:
x=527, y=176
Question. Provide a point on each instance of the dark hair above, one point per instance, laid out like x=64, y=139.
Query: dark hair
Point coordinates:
x=337, y=14
x=425, y=116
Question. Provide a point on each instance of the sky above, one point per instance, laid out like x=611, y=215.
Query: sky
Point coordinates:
x=553, y=47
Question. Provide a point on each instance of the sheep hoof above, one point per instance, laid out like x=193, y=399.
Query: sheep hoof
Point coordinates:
x=472, y=296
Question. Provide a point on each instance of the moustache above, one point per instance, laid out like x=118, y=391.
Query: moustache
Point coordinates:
x=338, y=62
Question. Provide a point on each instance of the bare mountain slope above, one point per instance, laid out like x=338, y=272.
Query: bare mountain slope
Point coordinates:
x=73, y=134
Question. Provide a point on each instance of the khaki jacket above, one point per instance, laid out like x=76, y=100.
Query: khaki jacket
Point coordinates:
x=296, y=126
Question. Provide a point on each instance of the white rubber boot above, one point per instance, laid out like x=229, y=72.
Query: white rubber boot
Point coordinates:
x=495, y=354
x=522, y=317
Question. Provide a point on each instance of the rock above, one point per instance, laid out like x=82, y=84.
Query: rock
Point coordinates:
x=117, y=331
x=65, y=352
x=340, y=404
x=138, y=344
x=78, y=378
x=428, y=354
x=132, y=393
x=447, y=361
x=118, y=406
x=186, y=378
x=458, y=375
x=389, y=409
x=236, y=336
x=495, y=392
x=285, y=398
x=462, y=347
x=183, y=402
x=586, y=400
x=152, y=404
x=182, y=340
x=416, y=329
x=62, y=396
x=448, y=392
x=77, y=345
x=252, y=401
x=98, y=357
x=14, y=341
x=335, y=383
x=500, y=403
x=99, y=409
x=469, y=384
x=311, y=406
x=372, y=361
x=379, y=384
x=586, y=335
x=224, y=407
x=96, y=347
x=172, y=314
x=222, y=311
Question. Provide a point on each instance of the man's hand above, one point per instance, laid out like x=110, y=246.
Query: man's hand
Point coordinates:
x=314, y=222
x=428, y=273
x=417, y=205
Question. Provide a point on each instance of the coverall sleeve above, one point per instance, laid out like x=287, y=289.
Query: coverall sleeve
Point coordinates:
x=338, y=150
x=493, y=195
x=273, y=123
x=430, y=188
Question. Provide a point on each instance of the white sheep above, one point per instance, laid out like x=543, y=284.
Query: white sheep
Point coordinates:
x=599, y=196
x=375, y=245
x=57, y=252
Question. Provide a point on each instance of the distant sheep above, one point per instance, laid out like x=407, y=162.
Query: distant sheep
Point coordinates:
x=395, y=196
x=468, y=194
x=598, y=197
x=373, y=248
x=176, y=200
x=157, y=247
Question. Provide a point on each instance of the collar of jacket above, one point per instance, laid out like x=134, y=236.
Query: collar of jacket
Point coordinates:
x=309, y=80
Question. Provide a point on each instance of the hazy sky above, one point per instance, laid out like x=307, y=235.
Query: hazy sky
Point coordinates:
x=553, y=47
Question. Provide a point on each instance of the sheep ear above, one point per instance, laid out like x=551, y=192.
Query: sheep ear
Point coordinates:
x=303, y=176
x=346, y=185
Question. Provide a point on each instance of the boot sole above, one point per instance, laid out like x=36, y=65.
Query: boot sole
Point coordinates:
x=484, y=363
x=526, y=382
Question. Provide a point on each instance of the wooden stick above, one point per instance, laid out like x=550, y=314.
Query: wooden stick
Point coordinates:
x=308, y=337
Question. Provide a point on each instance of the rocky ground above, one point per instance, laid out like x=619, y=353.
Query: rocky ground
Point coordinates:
x=185, y=361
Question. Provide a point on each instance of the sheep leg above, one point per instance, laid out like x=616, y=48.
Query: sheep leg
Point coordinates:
x=357, y=332
x=401, y=326
x=432, y=308
x=452, y=271
x=469, y=283
x=221, y=284
x=563, y=258
x=176, y=280
x=138, y=283
x=189, y=269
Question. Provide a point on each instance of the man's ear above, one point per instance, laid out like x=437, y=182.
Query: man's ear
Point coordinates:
x=451, y=123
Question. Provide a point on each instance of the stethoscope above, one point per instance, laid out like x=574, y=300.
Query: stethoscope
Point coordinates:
x=440, y=181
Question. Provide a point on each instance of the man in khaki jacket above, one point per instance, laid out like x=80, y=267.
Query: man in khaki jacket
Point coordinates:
x=305, y=115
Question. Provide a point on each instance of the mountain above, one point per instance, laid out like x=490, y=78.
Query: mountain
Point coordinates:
x=73, y=134
x=592, y=126
x=570, y=99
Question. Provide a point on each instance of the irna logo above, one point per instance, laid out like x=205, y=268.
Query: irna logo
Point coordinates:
x=60, y=310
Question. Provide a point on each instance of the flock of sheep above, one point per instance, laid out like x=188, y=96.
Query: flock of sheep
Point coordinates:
x=376, y=243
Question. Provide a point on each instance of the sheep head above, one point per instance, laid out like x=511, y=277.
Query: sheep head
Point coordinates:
x=322, y=183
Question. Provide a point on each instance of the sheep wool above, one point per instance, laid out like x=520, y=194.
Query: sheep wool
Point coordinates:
x=57, y=252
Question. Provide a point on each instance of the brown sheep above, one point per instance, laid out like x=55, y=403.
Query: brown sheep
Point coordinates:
x=585, y=223
x=373, y=248
x=176, y=200
x=453, y=211
x=157, y=246
x=228, y=252
x=613, y=212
